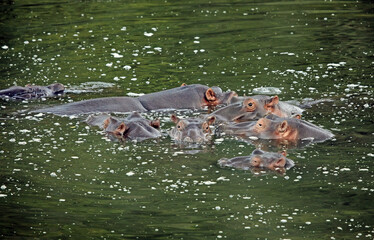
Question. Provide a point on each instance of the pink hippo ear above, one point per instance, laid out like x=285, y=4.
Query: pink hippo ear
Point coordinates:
x=155, y=123
x=183, y=84
x=281, y=162
x=283, y=126
x=284, y=153
x=297, y=116
x=274, y=101
x=174, y=118
x=106, y=122
x=120, y=129
x=210, y=95
x=271, y=103
x=211, y=119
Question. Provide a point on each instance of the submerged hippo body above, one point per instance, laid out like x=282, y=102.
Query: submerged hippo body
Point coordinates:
x=255, y=107
x=193, y=96
x=258, y=159
x=134, y=127
x=30, y=92
x=191, y=130
x=273, y=127
x=98, y=105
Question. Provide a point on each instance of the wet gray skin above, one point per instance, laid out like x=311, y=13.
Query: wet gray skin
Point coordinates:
x=98, y=105
x=252, y=108
x=134, y=127
x=259, y=159
x=30, y=92
x=191, y=130
x=274, y=127
x=193, y=96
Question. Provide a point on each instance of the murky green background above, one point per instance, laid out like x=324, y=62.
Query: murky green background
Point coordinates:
x=62, y=179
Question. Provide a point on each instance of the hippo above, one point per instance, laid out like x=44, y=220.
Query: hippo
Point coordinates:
x=195, y=96
x=274, y=127
x=191, y=130
x=259, y=159
x=134, y=127
x=255, y=107
x=30, y=92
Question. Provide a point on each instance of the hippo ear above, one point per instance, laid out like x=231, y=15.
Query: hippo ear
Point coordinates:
x=174, y=118
x=211, y=119
x=107, y=122
x=155, y=123
x=283, y=126
x=297, y=116
x=210, y=95
x=284, y=153
x=273, y=101
x=183, y=84
x=281, y=162
x=120, y=129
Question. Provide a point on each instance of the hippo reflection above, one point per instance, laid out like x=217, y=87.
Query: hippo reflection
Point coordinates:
x=195, y=96
x=191, y=129
x=255, y=107
x=134, y=127
x=273, y=127
x=32, y=92
x=259, y=159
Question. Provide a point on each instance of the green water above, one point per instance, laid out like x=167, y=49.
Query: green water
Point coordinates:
x=61, y=179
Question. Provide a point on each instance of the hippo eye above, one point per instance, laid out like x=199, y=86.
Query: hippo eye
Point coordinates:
x=260, y=125
x=250, y=105
x=180, y=126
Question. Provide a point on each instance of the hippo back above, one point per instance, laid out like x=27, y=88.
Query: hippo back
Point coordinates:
x=110, y=104
x=184, y=97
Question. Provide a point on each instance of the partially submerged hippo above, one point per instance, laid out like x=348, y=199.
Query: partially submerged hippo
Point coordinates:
x=259, y=159
x=193, y=96
x=255, y=107
x=134, y=127
x=191, y=130
x=273, y=127
x=30, y=92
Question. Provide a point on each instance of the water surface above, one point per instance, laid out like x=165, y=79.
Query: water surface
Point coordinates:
x=60, y=178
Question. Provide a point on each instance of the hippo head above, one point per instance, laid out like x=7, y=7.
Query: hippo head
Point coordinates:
x=57, y=88
x=248, y=109
x=270, y=128
x=134, y=127
x=192, y=130
x=215, y=96
x=290, y=129
x=259, y=160
x=270, y=160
